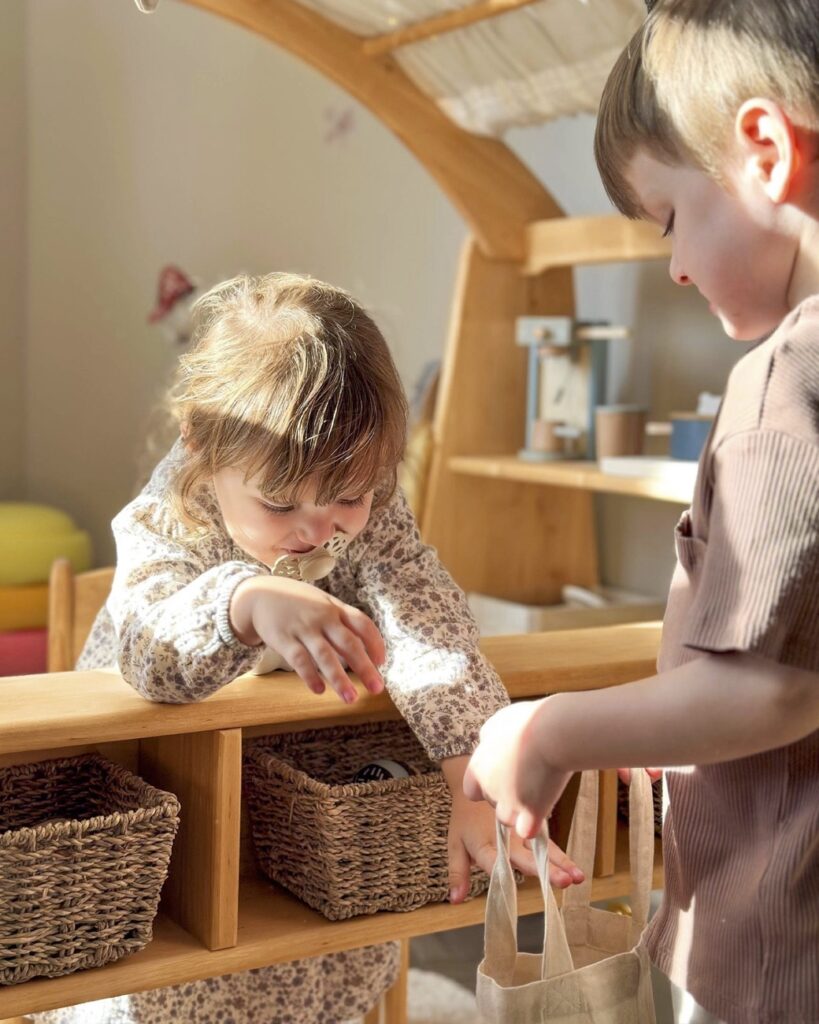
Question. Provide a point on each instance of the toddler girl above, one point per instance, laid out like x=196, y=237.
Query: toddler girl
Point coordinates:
x=273, y=528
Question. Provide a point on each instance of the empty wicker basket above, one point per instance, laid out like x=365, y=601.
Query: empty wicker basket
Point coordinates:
x=349, y=848
x=84, y=850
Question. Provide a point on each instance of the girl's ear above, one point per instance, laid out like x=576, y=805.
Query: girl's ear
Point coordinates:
x=768, y=147
x=185, y=434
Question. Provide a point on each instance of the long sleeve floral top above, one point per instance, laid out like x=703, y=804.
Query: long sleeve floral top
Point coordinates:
x=166, y=622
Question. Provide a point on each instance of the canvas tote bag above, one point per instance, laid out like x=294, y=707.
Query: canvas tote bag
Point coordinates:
x=592, y=970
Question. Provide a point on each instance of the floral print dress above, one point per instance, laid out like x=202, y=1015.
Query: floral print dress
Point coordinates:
x=166, y=627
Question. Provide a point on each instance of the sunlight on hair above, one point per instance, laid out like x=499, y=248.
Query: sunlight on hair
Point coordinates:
x=289, y=379
x=659, y=99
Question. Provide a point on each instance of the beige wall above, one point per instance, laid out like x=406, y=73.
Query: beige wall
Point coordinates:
x=181, y=138
x=12, y=248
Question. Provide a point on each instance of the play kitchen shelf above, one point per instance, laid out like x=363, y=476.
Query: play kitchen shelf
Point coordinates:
x=586, y=475
x=505, y=527
x=215, y=918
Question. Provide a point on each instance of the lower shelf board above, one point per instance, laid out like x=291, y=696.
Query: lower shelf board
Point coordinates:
x=273, y=927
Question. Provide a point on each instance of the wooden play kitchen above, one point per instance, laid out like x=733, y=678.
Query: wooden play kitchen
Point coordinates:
x=217, y=914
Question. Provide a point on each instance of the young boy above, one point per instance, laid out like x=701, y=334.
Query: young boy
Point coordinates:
x=709, y=127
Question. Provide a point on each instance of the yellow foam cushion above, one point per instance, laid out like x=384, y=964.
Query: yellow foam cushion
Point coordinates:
x=32, y=536
x=23, y=607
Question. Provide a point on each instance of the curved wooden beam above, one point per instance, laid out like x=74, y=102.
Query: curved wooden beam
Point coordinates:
x=494, y=191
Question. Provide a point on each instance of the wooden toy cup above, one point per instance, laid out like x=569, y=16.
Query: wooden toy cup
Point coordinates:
x=619, y=430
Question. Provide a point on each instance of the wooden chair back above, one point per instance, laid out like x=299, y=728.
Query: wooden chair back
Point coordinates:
x=73, y=602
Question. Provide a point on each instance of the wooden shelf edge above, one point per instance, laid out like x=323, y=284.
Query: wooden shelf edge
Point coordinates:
x=274, y=927
x=37, y=716
x=583, y=475
x=577, y=241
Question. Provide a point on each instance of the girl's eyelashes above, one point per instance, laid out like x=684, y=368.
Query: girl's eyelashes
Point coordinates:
x=669, y=226
x=282, y=510
x=276, y=510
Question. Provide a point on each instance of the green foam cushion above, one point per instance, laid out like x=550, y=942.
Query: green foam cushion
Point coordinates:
x=32, y=536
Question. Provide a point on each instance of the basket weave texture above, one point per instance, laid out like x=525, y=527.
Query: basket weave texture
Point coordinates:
x=348, y=848
x=84, y=851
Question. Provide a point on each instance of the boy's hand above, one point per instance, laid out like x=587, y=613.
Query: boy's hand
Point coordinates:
x=472, y=840
x=511, y=772
x=311, y=630
x=624, y=774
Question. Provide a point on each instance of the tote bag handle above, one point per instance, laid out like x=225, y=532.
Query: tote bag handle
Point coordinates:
x=500, y=936
x=583, y=838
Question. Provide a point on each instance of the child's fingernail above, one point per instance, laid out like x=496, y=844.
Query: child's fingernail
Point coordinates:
x=577, y=875
x=349, y=696
x=453, y=895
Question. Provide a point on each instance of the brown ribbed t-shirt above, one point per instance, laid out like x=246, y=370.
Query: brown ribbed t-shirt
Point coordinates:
x=739, y=926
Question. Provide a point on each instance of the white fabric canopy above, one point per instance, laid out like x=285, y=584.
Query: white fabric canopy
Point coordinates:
x=526, y=66
x=522, y=67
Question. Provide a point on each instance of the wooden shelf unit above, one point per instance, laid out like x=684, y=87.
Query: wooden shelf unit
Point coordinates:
x=214, y=920
x=273, y=927
x=584, y=475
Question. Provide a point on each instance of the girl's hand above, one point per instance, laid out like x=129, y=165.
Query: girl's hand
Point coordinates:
x=472, y=840
x=511, y=772
x=311, y=630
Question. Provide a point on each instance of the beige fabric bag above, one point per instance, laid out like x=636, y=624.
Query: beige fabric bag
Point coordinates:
x=591, y=971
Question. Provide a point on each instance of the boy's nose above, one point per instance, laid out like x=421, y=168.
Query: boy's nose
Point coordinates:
x=677, y=275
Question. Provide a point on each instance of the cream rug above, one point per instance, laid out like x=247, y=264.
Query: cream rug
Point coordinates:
x=435, y=999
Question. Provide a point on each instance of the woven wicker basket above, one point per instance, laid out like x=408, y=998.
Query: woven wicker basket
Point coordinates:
x=84, y=850
x=348, y=848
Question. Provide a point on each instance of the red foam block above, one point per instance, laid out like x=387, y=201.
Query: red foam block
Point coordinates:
x=23, y=652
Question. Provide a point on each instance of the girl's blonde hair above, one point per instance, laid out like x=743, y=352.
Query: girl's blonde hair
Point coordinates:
x=288, y=379
x=676, y=88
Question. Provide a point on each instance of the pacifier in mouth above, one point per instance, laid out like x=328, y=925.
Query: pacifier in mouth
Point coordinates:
x=313, y=565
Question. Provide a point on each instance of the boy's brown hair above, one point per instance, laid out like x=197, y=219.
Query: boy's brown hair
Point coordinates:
x=289, y=378
x=676, y=88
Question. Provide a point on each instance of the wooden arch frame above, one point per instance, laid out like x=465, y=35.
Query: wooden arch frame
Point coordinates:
x=509, y=538
x=494, y=192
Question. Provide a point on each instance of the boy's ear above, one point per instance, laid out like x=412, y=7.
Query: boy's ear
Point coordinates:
x=767, y=146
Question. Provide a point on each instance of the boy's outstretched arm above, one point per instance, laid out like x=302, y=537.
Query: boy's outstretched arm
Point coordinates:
x=717, y=708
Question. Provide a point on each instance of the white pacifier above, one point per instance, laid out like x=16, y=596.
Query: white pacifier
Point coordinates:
x=312, y=565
